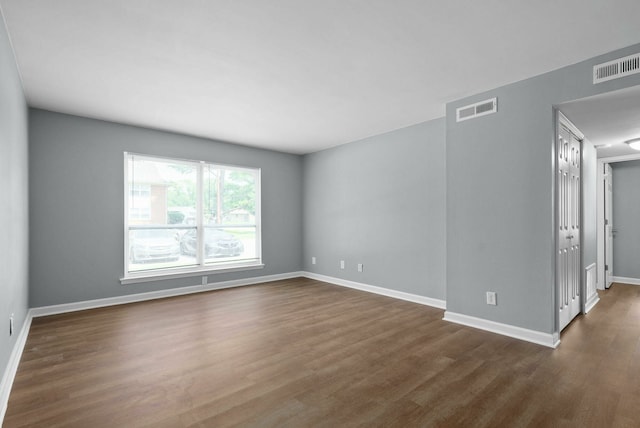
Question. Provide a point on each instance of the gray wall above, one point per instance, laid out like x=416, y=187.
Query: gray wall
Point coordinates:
x=589, y=226
x=626, y=213
x=500, y=215
x=76, y=224
x=380, y=202
x=13, y=194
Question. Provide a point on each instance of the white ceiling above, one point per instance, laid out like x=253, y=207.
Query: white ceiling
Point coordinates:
x=293, y=75
x=608, y=120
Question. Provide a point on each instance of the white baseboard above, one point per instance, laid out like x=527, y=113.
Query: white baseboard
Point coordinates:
x=624, y=280
x=140, y=297
x=546, y=339
x=591, y=303
x=12, y=366
x=428, y=301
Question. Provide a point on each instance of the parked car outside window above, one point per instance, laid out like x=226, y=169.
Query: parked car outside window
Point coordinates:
x=217, y=243
x=153, y=245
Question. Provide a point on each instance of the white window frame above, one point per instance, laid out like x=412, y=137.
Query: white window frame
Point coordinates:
x=201, y=268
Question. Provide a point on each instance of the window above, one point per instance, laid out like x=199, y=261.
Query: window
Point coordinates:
x=184, y=217
x=139, y=213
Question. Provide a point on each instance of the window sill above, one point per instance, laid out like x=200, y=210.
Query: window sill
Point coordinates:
x=174, y=274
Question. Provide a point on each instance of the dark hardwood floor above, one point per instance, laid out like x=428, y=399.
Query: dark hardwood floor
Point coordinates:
x=301, y=353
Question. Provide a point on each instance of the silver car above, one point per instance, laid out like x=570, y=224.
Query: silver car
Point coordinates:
x=147, y=245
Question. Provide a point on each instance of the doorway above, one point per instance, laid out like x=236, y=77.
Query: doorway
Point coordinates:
x=607, y=228
x=607, y=121
x=569, y=224
x=607, y=223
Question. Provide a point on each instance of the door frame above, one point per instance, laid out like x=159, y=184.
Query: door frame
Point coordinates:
x=600, y=238
x=560, y=120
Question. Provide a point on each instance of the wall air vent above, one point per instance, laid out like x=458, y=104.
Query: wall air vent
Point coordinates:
x=476, y=110
x=617, y=68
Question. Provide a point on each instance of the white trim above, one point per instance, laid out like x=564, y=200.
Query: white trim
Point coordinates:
x=594, y=298
x=563, y=120
x=140, y=297
x=546, y=339
x=12, y=366
x=199, y=217
x=125, y=228
x=589, y=304
x=625, y=280
x=621, y=158
x=201, y=268
x=16, y=353
x=166, y=274
x=258, y=214
x=428, y=301
x=564, y=316
x=252, y=281
x=600, y=235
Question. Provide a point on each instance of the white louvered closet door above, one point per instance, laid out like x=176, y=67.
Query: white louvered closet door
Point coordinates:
x=568, y=266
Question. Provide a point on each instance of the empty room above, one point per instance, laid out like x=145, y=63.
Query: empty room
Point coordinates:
x=319, y=214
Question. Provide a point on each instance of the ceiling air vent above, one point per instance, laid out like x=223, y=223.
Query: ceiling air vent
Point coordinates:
x=476, y=110
x=617, y=68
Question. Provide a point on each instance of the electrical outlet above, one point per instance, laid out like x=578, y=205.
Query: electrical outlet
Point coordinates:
x=360, y=267
x=492, y=298
x=204, y=280
x=341, y=264
x=313, y=260
x=11, y=325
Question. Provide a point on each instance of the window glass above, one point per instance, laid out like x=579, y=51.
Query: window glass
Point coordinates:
x=230, y=214
x=189, y=215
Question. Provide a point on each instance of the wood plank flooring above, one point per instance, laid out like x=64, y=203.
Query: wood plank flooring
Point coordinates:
x=302, y=353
